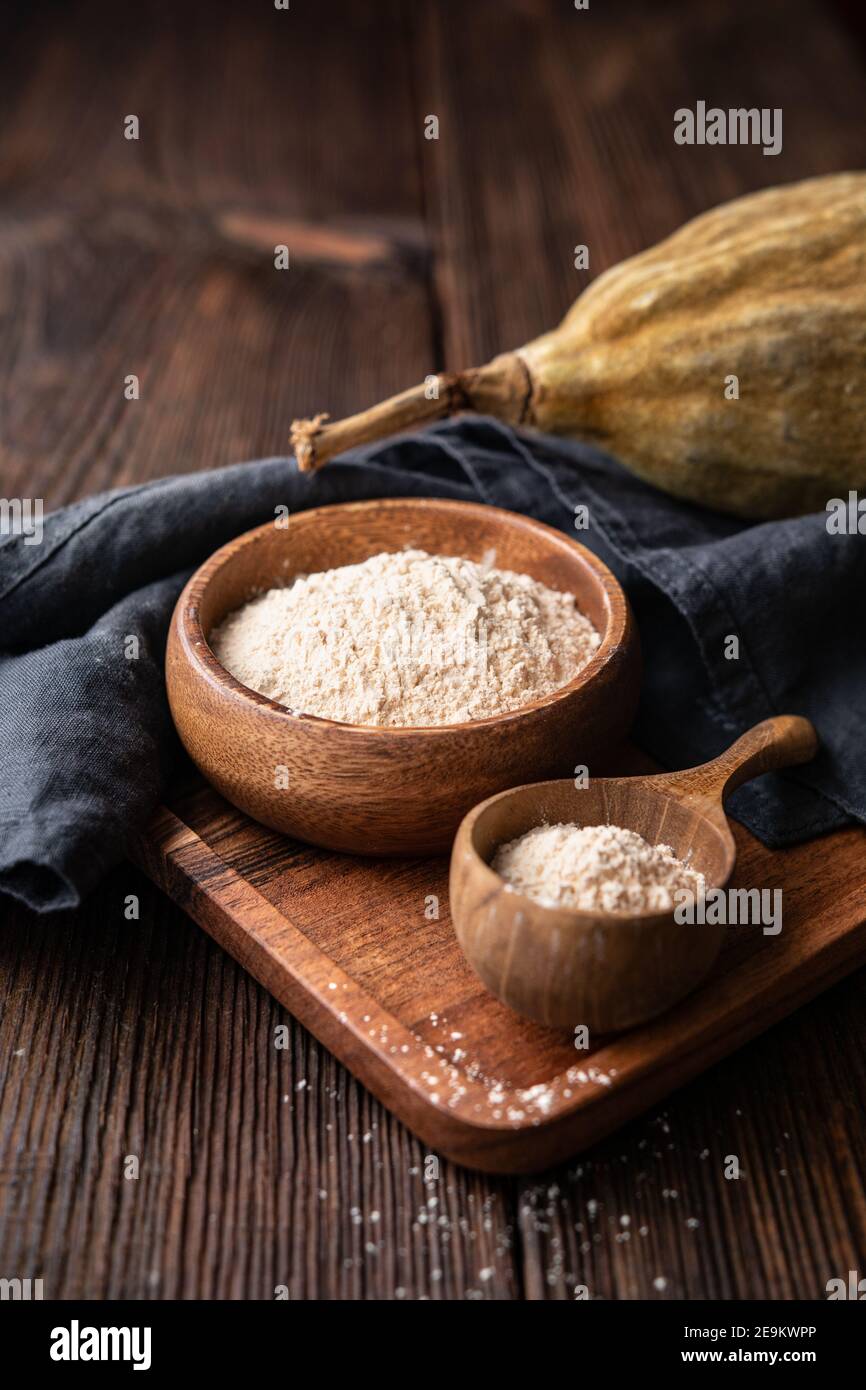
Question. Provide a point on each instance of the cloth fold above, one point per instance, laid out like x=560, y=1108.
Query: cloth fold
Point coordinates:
x=738, y=621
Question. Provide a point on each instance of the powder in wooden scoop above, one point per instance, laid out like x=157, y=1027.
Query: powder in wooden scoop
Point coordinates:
x=407, y=639
x=595, y=868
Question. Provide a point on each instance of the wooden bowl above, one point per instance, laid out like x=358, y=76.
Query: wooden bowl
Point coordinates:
x=389, y=791
x=607, y=970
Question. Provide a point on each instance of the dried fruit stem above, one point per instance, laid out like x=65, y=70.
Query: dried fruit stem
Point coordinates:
x=502, y=388
x=314, y=442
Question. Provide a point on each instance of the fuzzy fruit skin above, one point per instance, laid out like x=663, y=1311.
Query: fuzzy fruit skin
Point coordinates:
x=770, y=288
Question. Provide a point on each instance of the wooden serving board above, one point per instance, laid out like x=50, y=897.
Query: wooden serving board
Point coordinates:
x=353, y=948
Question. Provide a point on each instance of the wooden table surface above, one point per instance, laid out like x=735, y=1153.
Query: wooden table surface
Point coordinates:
x=155, y=257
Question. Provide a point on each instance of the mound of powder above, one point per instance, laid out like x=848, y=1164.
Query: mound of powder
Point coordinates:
x=595, y=868
x=407, y=639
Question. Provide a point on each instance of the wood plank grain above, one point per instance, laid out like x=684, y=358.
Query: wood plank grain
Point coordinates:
x=650, y=1214
x=259, y=1166
x=155, y=257
x=557, y=129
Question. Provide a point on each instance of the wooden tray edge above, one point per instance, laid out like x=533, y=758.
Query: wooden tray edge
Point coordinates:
x=220, y=901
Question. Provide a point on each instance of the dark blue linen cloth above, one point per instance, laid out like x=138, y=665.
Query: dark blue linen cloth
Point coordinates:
x=86, y=740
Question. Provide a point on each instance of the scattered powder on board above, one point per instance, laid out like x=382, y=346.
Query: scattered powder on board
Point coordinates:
x=407, y=639
x=595, y=868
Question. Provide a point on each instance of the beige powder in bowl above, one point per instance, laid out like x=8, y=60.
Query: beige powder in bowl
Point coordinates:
x=595, y=868
x=407, y=639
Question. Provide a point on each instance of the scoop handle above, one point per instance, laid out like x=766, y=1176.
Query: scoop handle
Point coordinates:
x=782, y=741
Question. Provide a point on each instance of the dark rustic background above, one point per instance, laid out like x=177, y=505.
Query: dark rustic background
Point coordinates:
x=258, y=126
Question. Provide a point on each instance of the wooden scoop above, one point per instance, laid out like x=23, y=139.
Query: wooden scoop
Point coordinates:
x=608, y=970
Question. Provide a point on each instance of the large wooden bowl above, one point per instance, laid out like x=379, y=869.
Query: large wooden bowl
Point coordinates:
x=390, y=791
